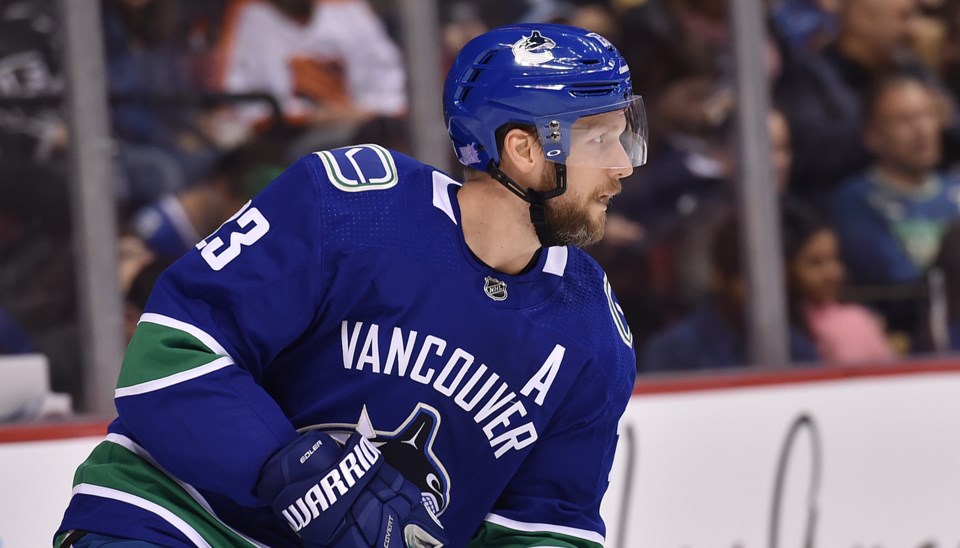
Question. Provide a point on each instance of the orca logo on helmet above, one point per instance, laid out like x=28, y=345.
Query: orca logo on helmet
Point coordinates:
x=533, y=49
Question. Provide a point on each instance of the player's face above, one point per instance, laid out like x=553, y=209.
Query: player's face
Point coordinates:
x=602, y=149
x=577, y=217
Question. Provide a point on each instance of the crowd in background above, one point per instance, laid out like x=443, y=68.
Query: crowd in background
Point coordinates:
x=210, y=100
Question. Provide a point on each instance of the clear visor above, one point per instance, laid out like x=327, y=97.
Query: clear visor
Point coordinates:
x=613, y=139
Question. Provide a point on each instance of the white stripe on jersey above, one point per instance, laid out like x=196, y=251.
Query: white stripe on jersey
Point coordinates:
x=592, y=536
x=556, y=262
x=132, y=446
x=153, y=508
x=171, y=380
x=441, y=196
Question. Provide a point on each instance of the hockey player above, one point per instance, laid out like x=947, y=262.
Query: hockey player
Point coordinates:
x=370, y=349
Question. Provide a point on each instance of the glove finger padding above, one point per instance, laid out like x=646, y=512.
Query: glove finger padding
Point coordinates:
x=382, y=515
x=346, y=496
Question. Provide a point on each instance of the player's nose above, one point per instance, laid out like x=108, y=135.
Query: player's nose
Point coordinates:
x=623, y=171
x=622, y=165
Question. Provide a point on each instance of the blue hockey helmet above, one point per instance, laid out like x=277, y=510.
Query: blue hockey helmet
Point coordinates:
x=557, y=78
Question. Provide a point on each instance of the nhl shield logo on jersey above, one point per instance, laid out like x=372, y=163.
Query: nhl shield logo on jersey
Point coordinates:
x=409, y=449
x=533, y=49
x=495, y=289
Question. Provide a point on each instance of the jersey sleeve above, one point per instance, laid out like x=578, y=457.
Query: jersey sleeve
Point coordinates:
x=554, y=499
x=189, y=387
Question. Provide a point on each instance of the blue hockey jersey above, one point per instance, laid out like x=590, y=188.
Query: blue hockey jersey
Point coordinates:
x=344, y=297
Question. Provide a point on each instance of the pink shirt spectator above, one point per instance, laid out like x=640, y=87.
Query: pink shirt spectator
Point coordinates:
x=846, y=333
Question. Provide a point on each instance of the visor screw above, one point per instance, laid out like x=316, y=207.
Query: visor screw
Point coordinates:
x=554, y=125
x=555, y=136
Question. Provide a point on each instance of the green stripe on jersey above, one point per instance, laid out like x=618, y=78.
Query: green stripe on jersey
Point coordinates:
x=157, y=351
x=498, y=536
x=114, y=466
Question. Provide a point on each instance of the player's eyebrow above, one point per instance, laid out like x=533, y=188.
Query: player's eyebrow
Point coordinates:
x=609, y=125
x=615, y=120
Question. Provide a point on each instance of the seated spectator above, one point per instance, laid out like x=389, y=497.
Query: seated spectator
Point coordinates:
x=714, y=336
x=708, y=212
x=684, y=47
x=821, y=94
x=843, y=333
x=175, y=223
x=684, y=164
x=891, y=217
x=330, y=64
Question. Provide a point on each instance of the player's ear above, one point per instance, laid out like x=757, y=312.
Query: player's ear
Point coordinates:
x=521, y=150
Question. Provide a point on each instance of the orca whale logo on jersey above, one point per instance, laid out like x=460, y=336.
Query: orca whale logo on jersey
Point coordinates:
x=409, y=449
x=495, y=289
x=533, y=49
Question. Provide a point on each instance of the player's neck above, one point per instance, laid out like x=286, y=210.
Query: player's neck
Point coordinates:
x=496, y=226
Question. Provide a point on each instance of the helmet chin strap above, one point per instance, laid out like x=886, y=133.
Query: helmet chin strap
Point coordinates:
x=536, y=199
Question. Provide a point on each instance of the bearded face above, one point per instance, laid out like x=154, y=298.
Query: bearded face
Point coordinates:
x=577, y=217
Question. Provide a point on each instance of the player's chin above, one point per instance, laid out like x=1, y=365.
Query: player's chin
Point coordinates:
x=596, y=231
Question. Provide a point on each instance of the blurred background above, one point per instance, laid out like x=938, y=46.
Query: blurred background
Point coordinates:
x=799, y=209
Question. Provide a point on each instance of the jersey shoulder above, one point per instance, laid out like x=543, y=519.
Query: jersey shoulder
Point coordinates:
x=368, y=169
x=603, y=323
x=374, y=197
x=593, y=307
x=370, y=181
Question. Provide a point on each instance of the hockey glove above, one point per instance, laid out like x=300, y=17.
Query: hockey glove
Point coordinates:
x=346, y=496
